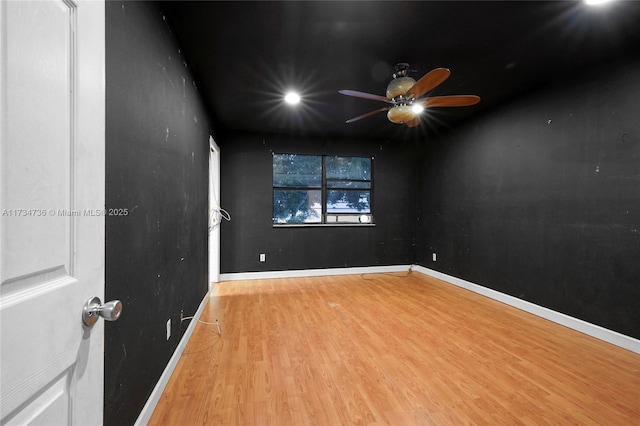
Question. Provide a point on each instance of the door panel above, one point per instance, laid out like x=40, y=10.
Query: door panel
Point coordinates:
x=39, y=124
x=51, y=201
x=50, y=405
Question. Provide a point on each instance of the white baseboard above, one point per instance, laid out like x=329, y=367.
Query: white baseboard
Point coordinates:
x=313, y=272
x=592, y=330
x=150, y=406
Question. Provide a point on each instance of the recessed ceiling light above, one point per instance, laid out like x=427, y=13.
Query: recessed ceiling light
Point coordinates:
x=292, y=98
x=597, y=2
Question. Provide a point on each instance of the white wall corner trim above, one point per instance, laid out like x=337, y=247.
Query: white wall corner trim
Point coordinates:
x=592, y=330
x=313, y=272
x=150, y=406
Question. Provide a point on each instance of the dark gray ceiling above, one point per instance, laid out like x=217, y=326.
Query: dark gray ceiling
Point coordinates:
x=245, y=54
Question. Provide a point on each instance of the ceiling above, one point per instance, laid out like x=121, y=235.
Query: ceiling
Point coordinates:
x=244, y=55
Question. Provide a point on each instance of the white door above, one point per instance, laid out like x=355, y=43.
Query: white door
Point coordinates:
x=52, y=91
x=216, y=213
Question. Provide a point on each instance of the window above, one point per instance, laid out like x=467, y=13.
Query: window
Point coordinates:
x=322, y=189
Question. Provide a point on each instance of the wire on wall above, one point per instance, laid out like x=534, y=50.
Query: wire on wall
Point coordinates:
x=215, y=217
x=217, y=323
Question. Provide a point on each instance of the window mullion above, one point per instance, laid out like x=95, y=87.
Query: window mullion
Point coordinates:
x=371, y=198
x=324, y=189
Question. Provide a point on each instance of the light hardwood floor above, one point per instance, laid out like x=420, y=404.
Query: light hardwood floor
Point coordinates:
x=399, y=349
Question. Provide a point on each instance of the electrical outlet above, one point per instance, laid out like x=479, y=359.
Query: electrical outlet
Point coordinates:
x=168, y=328
x=263, y=257
x=434, y=257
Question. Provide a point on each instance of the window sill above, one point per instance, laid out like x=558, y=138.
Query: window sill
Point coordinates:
x=325, y=225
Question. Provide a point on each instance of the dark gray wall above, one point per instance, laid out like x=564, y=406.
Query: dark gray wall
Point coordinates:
x=156, y=167
x=541, y=199
x=246, y=193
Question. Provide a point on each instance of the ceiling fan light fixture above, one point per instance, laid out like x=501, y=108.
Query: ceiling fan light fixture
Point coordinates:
x=400, y=114
x=399, y=86
x=407, y=96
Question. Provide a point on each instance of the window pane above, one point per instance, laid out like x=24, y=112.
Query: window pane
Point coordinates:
x=353, y=168
x=348, y=184
x=293, y=170
x=297, y=206
x=346, y=201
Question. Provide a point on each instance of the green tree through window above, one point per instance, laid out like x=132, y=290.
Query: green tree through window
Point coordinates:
x=316, y=189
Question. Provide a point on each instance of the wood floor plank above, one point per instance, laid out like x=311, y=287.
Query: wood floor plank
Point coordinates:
x=390, y=349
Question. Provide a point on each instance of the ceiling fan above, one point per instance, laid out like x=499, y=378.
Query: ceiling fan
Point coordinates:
x=404, y=95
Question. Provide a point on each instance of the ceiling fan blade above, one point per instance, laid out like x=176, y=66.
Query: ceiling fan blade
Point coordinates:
x=450, y=101
x=413, y=122
x=364, y=95
x=429, y=81
x=351, y=120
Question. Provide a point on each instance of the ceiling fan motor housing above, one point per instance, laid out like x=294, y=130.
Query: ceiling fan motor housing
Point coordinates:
x=401, y=70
